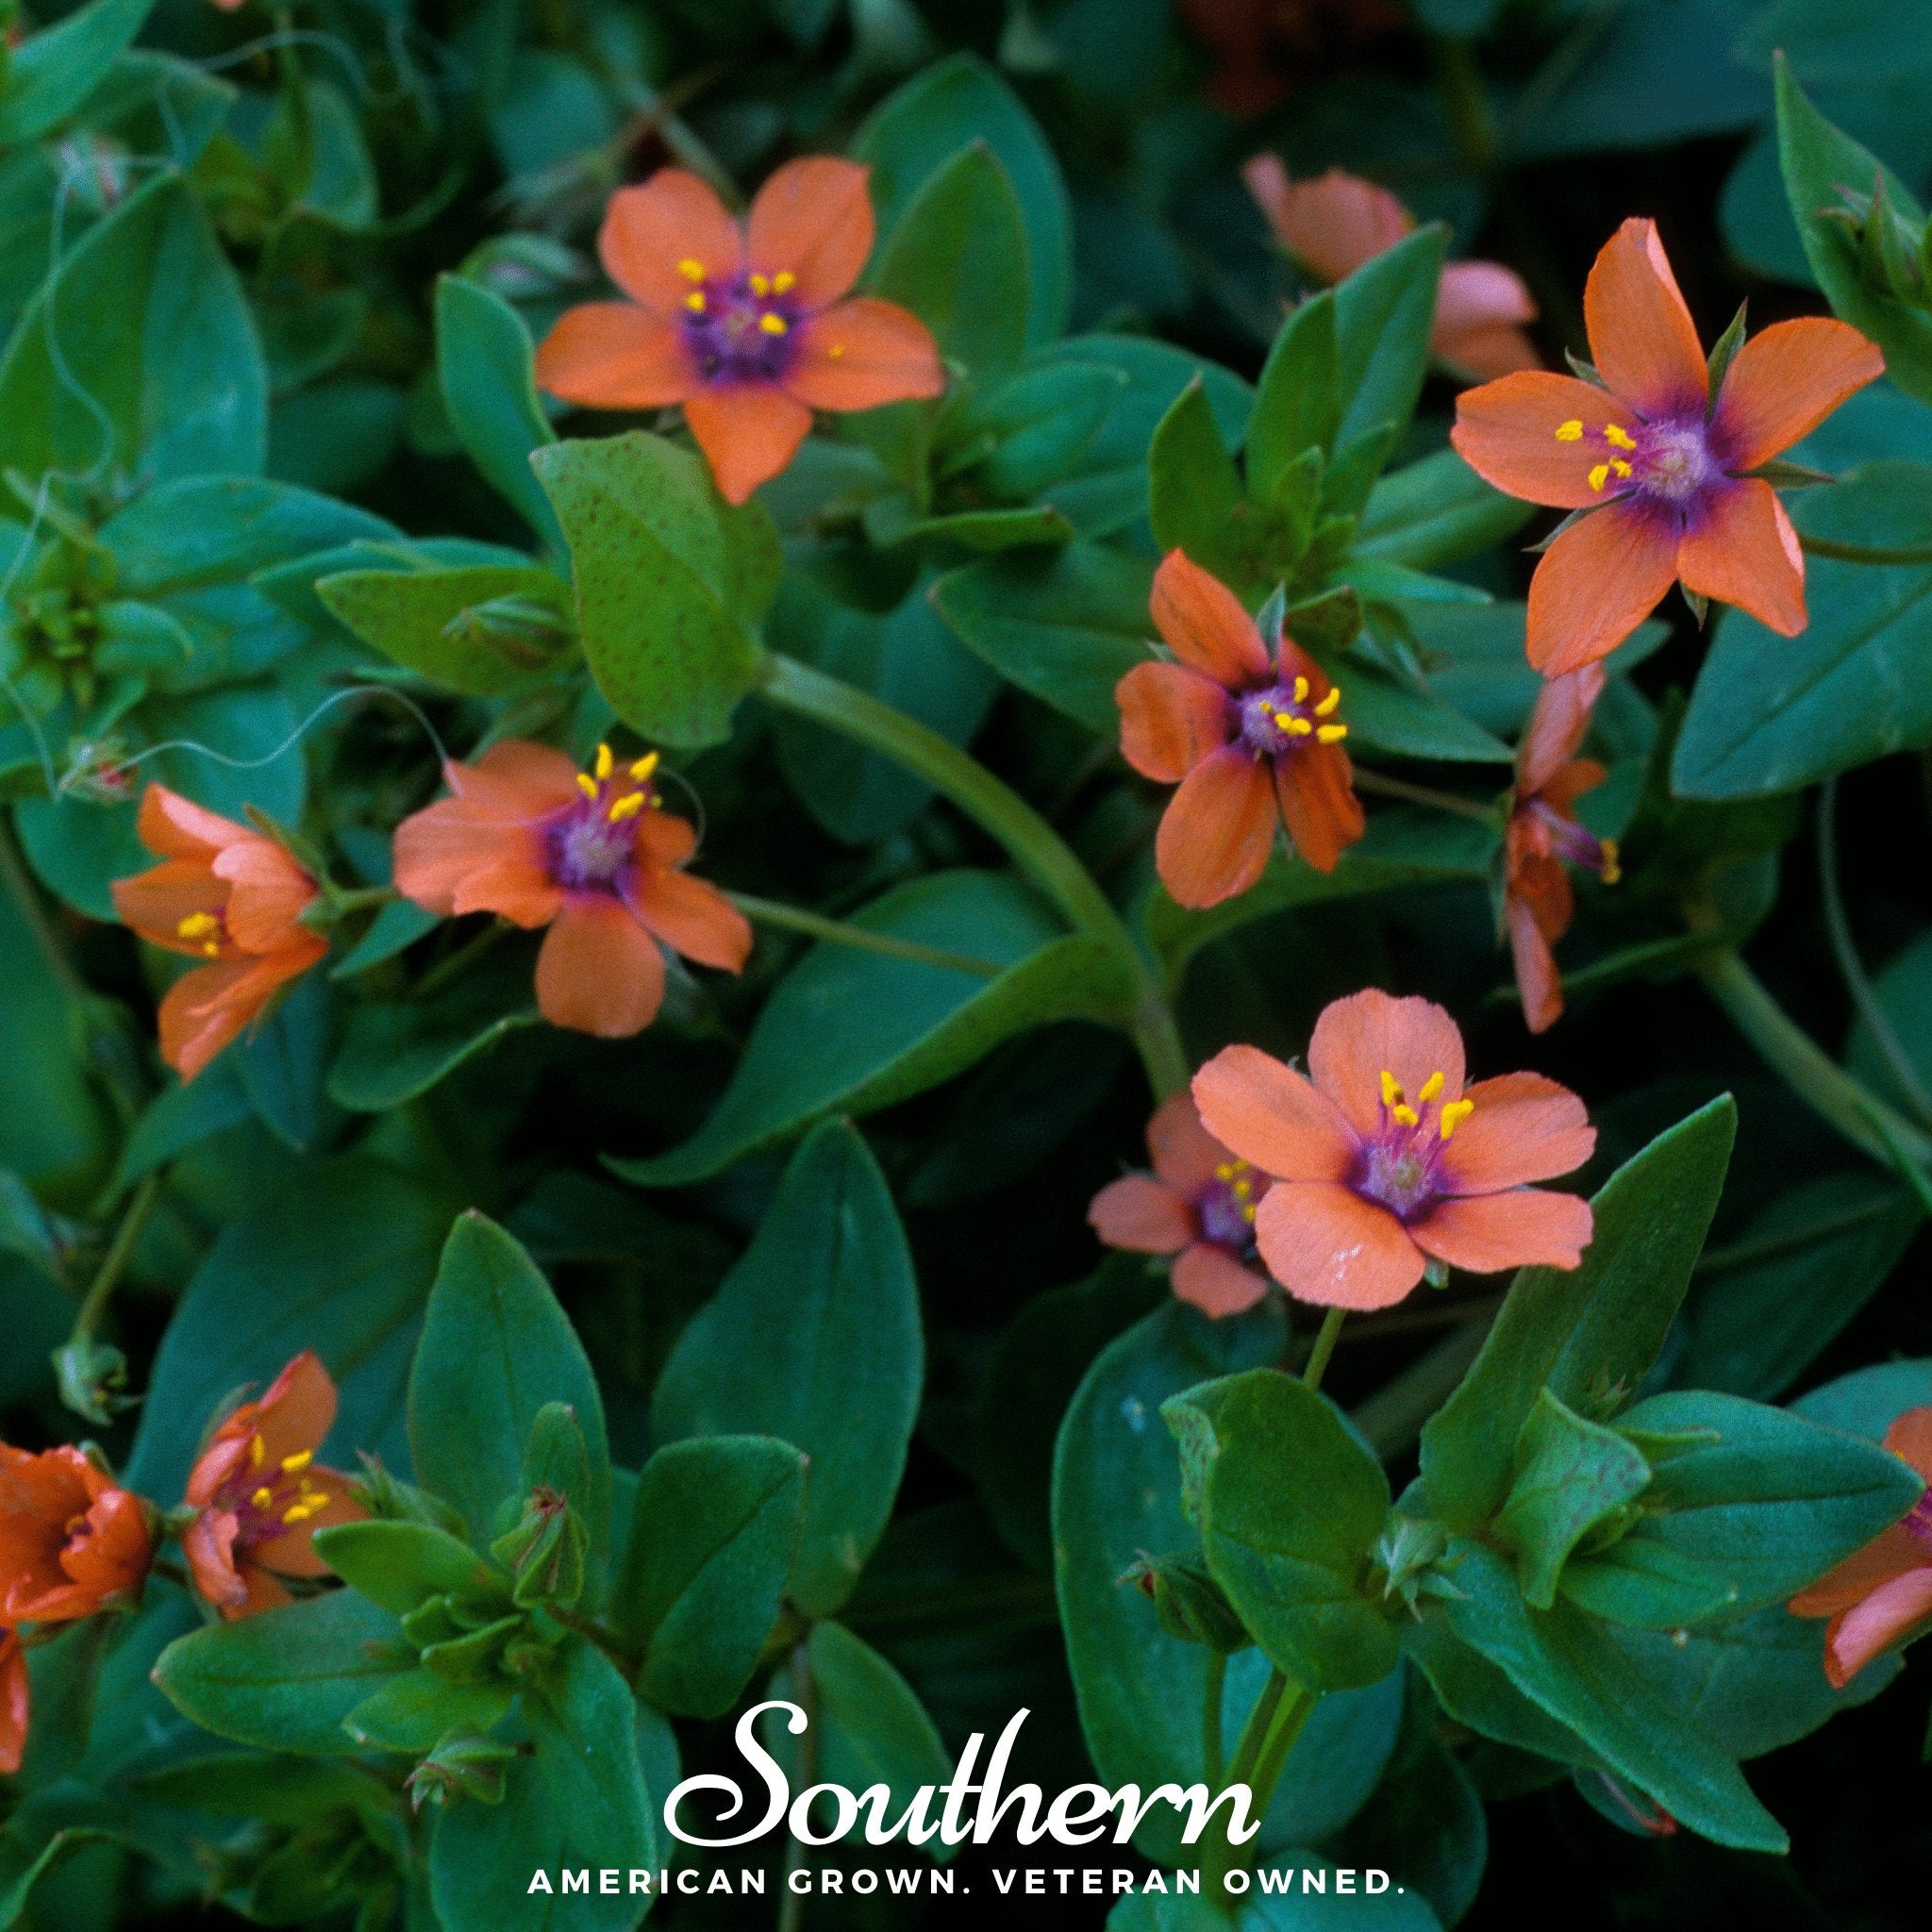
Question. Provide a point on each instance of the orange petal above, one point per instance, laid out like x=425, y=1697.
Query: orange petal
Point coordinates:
x=1218, y=830
x=1331, y=224
x=209, y=1006
x=269, y=893
x=16, y=1699
x=1537, y=979
x=1525, y=1128
x=1269, y=1115
x=1210, y=1279
x=295, y=1412
x=1556, y=727
x=1785, y=382
x=1743, y=549
x=292, y=1553
x=1184, y=1153
x=1854, y=1637
x=1205, y=624
x=748, y=432
x=615, y=356
x=1143, y=1215
x=1170, y=719
x=813, y=219
x=1359, y=1038
x=664, y=839
x=673, y=218
x=1485, y=1234
x=173, y=827
x=153, y=903
x=264, y=1590
x=859, y=354
x=459, y=856
x=1314, y=787
x=1506, y=431
x=208, y=1544
x=1325, y=1244
x=1910, y=1439
x=1642, y=337
x=1596, y=583
x=519, y=778
x=693, y=918
x=599, y=971
x=1888, y=1555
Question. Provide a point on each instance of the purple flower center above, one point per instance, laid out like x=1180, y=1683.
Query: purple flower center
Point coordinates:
x=1670, y=462
x=743, y=329
x=1399, y=1165
x=1226, y=1209
x=590, y=845
x=1574, y=843
x=1918, y=1523
x=1281, y=717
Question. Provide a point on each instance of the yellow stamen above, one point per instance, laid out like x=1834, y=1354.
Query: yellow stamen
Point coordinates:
x=603, y=763
x=199, y=925
x=1612, y=872
x=1406, y=1114
x=1327, y=707
x=1453, y=1115
x=1431, y=1088
x=1600, y=476
x=694, y=302
x=773, y=324
x=587, y=784
x=1331, y=734
x=836, y=351
x=691, y=270
x=1620, y=466
x=1391, y=1088
x=256, y=1450
x=298, y=1512
x=1618, y=439
x=626, y=808
x=300, y=1460
x=760, y=285
x=784, y=282
x=643, y=767
x=1571, y=431
x=1298, y=728
x=1227, y=1170
x=1301, y=691
x=262, y=1498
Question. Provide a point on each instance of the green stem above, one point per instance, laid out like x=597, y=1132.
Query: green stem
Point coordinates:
x=1266, y=1739
x=113, y=1264
x=341, y=899
x=1466, y=106
x=1324, y=1348
x=1426, y=794
x=1862, y=553
x=795, y=918
x=1033, y=844
x=1212, y=1754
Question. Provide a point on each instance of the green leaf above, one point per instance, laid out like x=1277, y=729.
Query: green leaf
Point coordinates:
x=1383, y=315
x=1759, y=1504
x=1432, y=512
x=583, y=1720
x=138, y=357
x=1289, y=1506
x=1035, y=426
x=484, y=366
x=1588, y=1334
x=1194, y=498
x=395, y=1050
x=1065, y=626
x=416, y=1709
x=1572, y=1476
x=497, y=1347
x=713, y=1531
x=1819, y=162
x=956, y=258
x=285, y=1680
x=856, y=1030
x=1868, y=1401
x=814, y=1338
x=1405, y=716
x=53, y=70
x=350, y=1246
x=430, y=622
x=669, y=582
x=1298, y=403
x=914, y=132
x=400, y=1565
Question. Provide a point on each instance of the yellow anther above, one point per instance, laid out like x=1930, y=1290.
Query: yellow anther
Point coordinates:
x=199, y=925
x=301, y=1458
x=691, y=268
x=1571, y=431
x=626, y=808
x=262, y=1498
x=1600, y=476
x=784, y=282
x=587, y=784
x=695, y=302
x=1327, y=707
x=1330, y=734
x=643, y=767
x=1298, y=728
x=1406, y=1114
x=1301, y=691
x=836, y=351
x=773, y=324
x=1227, y=1170
x=760, y=285
x=603, y=763
x=1620, y=466
x=1618, y=439
x=1431, y=1088
x=1453, y=1115
x=1612, y=872
x=298, y=1512
x=1391, y=1088
x=256, y=1450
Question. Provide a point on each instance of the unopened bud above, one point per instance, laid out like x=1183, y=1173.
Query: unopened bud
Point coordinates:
x=1189, y=1604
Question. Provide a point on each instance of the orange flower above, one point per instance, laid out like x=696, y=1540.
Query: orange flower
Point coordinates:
x=1665, y=465
x=1334, y=225
x=1544, y=838
x=16, y=1697
x=72, y=1542
x=222, y=893
x=746, y=328
x=260, y=1496
x=1383, y=1162
x=592, y=855
x=1876, y=1596
x=1248, y=739
x=1198, y=1205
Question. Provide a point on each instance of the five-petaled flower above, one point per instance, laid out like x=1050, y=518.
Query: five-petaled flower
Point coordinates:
x=16, y=1702
x=1879, y=1594
x=1384, y=1162
x=592, y=855
x=259, y=1495
x=1336, y=222
x=1544, y=838
x=229, y=896
x=1198, y=1205
x=751, y=330
x=72, y=1541
x=1251, y=740
x=1664, y=465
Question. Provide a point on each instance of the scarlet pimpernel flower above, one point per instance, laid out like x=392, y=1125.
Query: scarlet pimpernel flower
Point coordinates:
x=259, y=1495
x=1663, y=465
x=1878, y=1595
x=1198, y=1205
x=1250, y=730
x=16, y=1702
x=592, y=855
x=72, y=1541
x=1384, y=1162
x=1544, y=838
x=229, y=896
x=1336, y=222
x=751, y=330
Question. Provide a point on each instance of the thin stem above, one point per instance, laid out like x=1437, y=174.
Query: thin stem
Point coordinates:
x=453, y=964
x=1032, y=843
x=1839, y=927
x=1324, y=1348
x=1914, y=1177
x=1426, y=794
x=804, y=1694
x=1280, y=1740
x=840, y=933
x=1260, y=1747
x=341, y=899
x=114, y=1262
x=1862, y=553
x=1212, y=1752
